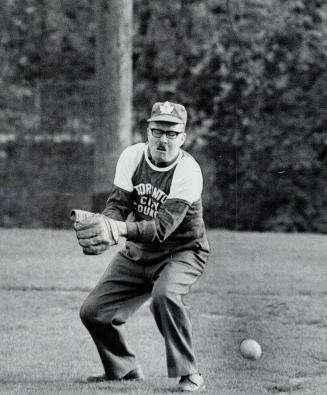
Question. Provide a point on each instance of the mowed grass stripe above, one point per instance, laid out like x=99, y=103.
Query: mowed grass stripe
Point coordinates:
x=271, y=287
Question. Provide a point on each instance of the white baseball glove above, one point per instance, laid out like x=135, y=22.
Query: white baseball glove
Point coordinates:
x=95, y=232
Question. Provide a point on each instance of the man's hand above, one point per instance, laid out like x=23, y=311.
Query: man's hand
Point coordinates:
x=95, y=232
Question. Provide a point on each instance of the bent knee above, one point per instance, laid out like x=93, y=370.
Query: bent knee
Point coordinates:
x=88, y=311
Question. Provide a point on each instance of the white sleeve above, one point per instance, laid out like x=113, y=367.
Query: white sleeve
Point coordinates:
x=187, y=182
x=126, y=166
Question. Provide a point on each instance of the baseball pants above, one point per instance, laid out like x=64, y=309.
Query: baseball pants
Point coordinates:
x=132, y=277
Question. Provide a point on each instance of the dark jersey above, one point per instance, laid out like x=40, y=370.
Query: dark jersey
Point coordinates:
x=161, y=205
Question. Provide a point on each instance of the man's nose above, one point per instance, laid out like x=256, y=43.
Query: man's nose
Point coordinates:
x=164, y=137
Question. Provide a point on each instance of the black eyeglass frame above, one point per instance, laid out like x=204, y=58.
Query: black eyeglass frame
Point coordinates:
x=173, y=134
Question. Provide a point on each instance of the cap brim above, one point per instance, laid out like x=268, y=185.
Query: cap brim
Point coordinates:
x=165, y=118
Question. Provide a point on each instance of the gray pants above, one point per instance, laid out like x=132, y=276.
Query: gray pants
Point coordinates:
x=131, y=278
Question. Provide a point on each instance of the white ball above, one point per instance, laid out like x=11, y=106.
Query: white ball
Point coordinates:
x=250, y=349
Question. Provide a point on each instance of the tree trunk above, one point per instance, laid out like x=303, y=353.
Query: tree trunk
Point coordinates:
x=114, y=91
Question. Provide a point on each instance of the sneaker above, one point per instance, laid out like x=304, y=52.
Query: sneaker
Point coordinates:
x=97, y=379
x=191, y=382
x=135, y=374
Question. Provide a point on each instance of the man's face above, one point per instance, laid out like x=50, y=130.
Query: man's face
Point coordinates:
x=166, y=147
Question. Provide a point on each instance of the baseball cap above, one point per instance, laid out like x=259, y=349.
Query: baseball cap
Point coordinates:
x=168, y=112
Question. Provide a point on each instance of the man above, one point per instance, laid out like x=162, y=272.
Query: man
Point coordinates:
x=156, y=204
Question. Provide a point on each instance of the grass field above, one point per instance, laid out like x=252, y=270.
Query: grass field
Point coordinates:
x=271, y=287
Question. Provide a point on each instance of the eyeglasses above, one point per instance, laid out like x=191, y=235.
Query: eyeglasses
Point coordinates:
x=170, y=134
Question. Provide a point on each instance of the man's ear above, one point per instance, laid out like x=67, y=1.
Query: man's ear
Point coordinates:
x=148, y=133
x=183, y=138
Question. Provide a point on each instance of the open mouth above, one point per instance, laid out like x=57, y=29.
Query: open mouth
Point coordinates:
x=161, y=148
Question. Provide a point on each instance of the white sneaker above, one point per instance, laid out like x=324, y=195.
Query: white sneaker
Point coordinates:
x=191, y=382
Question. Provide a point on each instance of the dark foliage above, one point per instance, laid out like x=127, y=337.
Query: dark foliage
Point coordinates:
x=252, y=75
x=46, y=179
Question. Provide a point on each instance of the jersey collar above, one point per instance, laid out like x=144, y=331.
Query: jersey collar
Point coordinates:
x=157, y=168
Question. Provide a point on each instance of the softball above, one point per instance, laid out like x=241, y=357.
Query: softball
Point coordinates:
x=250, y=349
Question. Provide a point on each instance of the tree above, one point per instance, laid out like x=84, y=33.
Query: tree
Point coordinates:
x=114, y=90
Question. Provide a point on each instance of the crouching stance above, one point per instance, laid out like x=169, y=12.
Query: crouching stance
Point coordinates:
x=156, y=204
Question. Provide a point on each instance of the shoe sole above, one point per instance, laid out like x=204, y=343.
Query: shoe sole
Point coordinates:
x=199, y=389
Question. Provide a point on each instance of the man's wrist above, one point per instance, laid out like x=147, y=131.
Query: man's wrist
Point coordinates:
x=122, y=228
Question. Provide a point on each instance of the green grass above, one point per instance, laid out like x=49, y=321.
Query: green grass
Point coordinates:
x=271, y=287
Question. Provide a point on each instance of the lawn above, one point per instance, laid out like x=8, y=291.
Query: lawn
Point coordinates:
x=270, y=287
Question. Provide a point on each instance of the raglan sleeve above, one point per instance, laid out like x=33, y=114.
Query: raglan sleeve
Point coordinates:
x=186, y=188
x=119, y=203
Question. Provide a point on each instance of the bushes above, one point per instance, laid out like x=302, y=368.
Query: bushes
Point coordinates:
x=252, y=75
x=42, y=181
x=45, y=181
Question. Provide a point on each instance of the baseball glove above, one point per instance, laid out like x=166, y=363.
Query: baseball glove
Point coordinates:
x=95, y=232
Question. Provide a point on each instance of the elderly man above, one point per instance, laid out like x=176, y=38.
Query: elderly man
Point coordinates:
x=156, y=205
